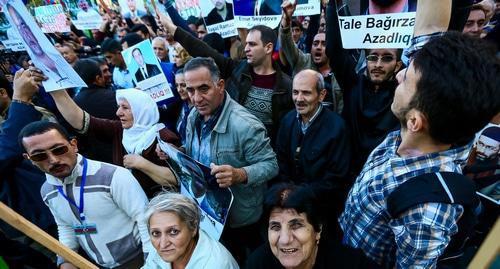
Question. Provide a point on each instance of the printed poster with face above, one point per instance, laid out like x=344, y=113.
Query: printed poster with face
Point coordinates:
x=218, y=17
x=188, y=8
x=9, y=37
x=52, y=18
x=141, y=61
x=249, y=13
x=132, y=9
x=483, y=164
x=42, y=53
x=84, y=14
x=377, y=24
x=198, y=184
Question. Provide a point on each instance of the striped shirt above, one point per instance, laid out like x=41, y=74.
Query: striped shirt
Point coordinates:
x=419, y=236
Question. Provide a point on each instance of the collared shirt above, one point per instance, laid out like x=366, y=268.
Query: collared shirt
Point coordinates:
x=418, y=237
x=202, y=131
x=122, y=79
x=306, y=125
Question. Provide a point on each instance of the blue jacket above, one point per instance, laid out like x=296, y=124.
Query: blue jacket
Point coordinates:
x=20, y=181
x=239, y=139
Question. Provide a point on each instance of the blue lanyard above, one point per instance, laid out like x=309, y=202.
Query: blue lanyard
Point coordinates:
x=82, y=187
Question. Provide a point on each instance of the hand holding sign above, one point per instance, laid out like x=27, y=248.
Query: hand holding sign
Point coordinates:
x=288, y=9
x=164, y=21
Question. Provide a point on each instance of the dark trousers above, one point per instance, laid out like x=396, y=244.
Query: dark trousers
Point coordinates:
x=244, y=240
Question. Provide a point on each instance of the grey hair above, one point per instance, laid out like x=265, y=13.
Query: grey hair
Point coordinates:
x=206, y=62
x=161, y=39
x=176, y=203
x=320, y=81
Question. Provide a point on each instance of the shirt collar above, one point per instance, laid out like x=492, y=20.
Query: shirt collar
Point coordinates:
x=306, y=125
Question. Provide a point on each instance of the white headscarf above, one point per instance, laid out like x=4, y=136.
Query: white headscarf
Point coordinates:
x=143, y=132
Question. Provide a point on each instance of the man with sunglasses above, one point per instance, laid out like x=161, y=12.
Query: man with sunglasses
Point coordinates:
x=88, y=199
x=367, y=95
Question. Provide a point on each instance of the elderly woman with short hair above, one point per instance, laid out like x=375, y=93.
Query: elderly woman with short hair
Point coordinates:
x=174, y=227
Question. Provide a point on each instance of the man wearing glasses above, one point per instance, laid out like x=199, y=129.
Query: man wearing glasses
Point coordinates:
x=88, y=199
x=367, y=95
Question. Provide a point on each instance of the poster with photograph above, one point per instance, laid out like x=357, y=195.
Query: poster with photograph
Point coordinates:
x=374, y=24
x=52, y=18
x=141, y=61
x=218, y=17
x=132, y=9
x=188, y=8
x=307, y=8
x=249, y=13
x=42, y=53
x=483, y=164
x=197, y=183
x=84, y=14
x=9, y=37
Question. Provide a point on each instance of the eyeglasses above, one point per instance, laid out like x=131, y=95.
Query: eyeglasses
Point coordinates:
x=42, y=156
x=384, y=58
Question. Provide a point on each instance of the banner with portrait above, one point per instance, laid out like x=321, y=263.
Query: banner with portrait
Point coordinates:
x=132, y=9
x=84, y=14
x=248, y=13
x=52, y=19
x=483, y=164
x=197, y=183
x=375, y=24
x=42, y=53
x=218, y=17
x=9, y=37
x=187, y=8
x=146, y=71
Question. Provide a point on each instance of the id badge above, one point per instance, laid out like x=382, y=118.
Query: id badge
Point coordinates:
x=85, y=228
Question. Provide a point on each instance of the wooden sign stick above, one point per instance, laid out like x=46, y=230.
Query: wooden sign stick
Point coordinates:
x=20, y=223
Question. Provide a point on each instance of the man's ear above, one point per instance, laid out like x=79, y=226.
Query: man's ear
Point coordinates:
x=221, y=83
x=269, y=48
x=416, y=121
x=26, y=156
x=399, y=65
x=74, y=143
x=322, y=95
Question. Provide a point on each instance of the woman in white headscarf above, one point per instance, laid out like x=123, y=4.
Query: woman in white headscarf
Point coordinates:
x=133, y=136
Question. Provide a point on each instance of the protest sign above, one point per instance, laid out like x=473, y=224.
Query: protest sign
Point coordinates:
x=84, y=15
x=42, y=53
x=256, y=12
x=188, y=8
x=307, y=8
x=147, y=75
x=218, y=17
x=132, y=9
x=198, y=184
x=8, y=36
x=376, y=26
x=52, y=19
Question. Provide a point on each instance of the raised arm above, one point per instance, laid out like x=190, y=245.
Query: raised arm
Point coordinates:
x=196, y=47
x=71, y=112
x=341, y=61
x=294, y=57
x=176, y=18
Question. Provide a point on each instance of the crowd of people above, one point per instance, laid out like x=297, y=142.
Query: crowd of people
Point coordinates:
x=336, y=158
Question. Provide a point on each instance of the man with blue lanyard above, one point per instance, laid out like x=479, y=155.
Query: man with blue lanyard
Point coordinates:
x=97, y=206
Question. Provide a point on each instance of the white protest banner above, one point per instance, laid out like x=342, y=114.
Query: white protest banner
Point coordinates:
x=198, y=184
x=14, y=44
x=307, y=8
x=42, y=53
x=84, y=15
x=393, y=30
x=218, y=17
x=52, y=18
x=147, y=73
x=262, y=12
x=9, y=36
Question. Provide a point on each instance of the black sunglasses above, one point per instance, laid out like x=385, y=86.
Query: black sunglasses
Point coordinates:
x=384, y=58
x=42, y=156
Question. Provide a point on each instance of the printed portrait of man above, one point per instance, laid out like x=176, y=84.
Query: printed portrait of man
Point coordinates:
x=221, y=12
x=144, y=70
x=483, y=161
x=87, y=13
x=133, y=11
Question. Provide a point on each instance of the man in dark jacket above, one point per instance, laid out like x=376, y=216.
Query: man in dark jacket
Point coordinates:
x=256, y=82
x=367, y=95
x=222, y=12
x=20, y=181
x=313, y=144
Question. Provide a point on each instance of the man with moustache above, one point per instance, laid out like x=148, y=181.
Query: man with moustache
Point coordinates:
x=88, y=199
x=316, y=60
x=367, y=95
x=313, y=145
